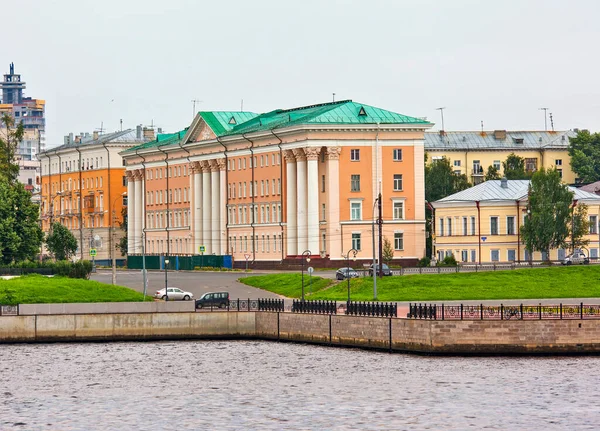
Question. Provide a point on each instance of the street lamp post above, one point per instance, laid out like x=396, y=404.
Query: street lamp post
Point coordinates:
x=305, y=256
x=374, y=250
x=353, y=251
x=166, y=279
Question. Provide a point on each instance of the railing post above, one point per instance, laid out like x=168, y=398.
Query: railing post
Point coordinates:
x=581, y=311
x=481, y=311
x=501, y=311
x=540, y=310
x=442, y=311
x=461, y=312
x=561, y=311
x=521, y=311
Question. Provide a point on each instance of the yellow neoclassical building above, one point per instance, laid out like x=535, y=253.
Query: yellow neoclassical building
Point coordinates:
x=481, y=224
x=471, y=152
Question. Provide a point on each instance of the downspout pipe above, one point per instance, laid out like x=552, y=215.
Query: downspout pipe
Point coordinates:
x=110, y=214
x=144, y=272
x=280, y=193
x=189, y=199
x=479, y=228
x=226, y=195
x=80, y=202
x=59, y=175
x=251, y=148
x=168, y=201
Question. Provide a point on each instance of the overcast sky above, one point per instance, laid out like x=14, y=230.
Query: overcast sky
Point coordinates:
x=144, y=61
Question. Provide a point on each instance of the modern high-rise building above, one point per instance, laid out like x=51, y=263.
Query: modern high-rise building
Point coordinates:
x=31, y=113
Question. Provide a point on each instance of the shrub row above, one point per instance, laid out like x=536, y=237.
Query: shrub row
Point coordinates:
x=79, y=269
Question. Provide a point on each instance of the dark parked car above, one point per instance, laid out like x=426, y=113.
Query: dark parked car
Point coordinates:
x=213, y=299
x=344, y=273
x=386, y=270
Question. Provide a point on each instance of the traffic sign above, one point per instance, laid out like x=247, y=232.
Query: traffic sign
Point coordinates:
x=310, y=269
x=92, y=252
x=202, y=249
x=247, y=256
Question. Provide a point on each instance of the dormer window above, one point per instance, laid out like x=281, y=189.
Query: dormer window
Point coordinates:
x=362, y=112
x=232, y=120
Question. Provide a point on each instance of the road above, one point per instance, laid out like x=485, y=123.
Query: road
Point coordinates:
x=195, y=282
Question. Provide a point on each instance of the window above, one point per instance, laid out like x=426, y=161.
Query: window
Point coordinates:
x=398, y=241
x=355, y=183
x=397, y=154
x=323, y=212
x=398, y=210
x=356, y=241
x=497, y=164
x=464, y=255
x=561, y=254
x=355, y=155
x=493, y=225
x=510, y=225
x=449, y=226
x=530, y=164
x=397, y=182
x=457, y=163
x=322, y=183
x=511, y=255
x=323, y=242
x=356, y=211
x=441, y=232
x=495, y=255
x=472, y=225
x=464, y=225
x=558, y=162
x=560, y=173
x=267, y=187
x=473, y=256
x=593, y=224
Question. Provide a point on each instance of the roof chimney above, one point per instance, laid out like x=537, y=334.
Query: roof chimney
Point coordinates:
x=499, y=134
x=95, y=135
x=504, y=183
x=138, y=132
x=148, y=133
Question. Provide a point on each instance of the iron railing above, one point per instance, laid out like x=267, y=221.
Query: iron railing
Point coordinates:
x=561, y=311
x=379, y=309
x=315, y=307
x=271, y=305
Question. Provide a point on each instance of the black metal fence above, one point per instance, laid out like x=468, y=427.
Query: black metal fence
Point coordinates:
x=315, y=307
x=579, y=311
x=379, y=309
x=271, y=305
x=25, y=271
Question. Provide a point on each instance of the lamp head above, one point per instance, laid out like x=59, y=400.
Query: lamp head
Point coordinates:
x=308, y=259
x=167, y=261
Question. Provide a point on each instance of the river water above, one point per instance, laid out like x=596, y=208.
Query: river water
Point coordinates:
x=248, y=385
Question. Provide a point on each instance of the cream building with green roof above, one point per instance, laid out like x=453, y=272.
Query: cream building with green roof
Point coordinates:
x=274, y=185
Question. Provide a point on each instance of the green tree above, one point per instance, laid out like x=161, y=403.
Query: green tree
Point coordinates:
x=584, y=150
x=61, y=242
x=10, y=137
x=122, y=244
x=20, y=233
x=514, y=168
x=579, y=226
x=492, y=173
x=388, y=251
x=549, y=212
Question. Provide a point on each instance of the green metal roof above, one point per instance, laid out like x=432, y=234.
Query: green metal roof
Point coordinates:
x=221, y=122
x=160, y=141
x=342, y=112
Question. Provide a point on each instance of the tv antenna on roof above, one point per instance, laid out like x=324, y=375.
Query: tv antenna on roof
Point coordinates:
x=333, y=96
x=194, y=101
x=545, y=118
x=551, y=122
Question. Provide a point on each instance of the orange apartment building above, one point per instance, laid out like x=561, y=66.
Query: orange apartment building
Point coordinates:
x=84, y=187
x=269, y=187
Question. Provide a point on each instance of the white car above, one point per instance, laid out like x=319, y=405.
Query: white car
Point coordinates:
x=174, y=294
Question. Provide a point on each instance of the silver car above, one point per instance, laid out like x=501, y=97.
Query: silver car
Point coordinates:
x=174, y=294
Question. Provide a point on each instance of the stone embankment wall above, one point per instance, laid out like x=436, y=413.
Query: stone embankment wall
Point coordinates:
x=424, y=336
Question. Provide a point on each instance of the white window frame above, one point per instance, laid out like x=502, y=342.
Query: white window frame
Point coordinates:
x=355, y=154
x=398, y=181
x=401, y=233
x=397, y=154
x=400, y=201
x=354, y=202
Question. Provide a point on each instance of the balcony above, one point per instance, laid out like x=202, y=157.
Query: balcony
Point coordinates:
x=477, y=172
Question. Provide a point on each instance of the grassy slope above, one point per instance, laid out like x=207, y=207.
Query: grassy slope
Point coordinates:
x=555, y=282
x=37, y=289
x=289, y=285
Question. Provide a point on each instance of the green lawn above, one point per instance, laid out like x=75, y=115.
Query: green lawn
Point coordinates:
x=289, y=285
x=37, y=289
x=537, y=283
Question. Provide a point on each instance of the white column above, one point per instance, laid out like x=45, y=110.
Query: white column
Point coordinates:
x=196, y=206
x=302, y=197
x=334, y=241
x=138, y=212
x=222, y=209
x=130, y=212
x=215, y=207
x=206, y=205
x=312, y=192
x=291, y=199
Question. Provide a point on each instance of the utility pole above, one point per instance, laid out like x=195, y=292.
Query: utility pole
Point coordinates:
x=194, y=101
x=441, y=112
x=545, y=118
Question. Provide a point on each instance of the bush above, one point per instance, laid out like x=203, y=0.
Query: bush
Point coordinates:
x=448, y=261
x=79, y=269
x=424, y=262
